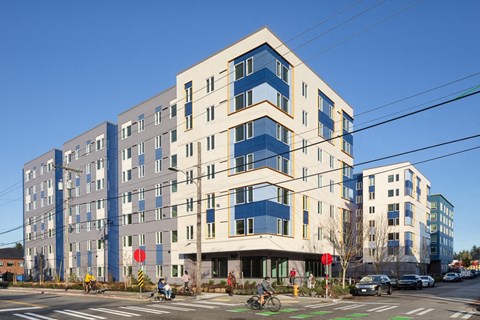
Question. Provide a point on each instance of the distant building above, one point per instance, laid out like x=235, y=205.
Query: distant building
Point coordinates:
x=11, y=261
x=441, y=228
x=392, y=203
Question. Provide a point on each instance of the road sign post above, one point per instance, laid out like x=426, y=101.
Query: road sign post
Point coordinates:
x=326, y=260
x=139, y=255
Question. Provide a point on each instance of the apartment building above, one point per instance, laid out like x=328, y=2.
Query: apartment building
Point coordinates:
x=43, y=216
x=394, y=208
x=253, y=136
x=148, y=222
x=441, y=228
x=261, y=125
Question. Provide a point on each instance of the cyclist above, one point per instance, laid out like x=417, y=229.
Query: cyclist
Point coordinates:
x=265, y=290
x=89, y=281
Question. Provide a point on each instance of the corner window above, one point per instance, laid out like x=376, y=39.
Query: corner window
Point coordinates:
x=249, y=66
x=239, y=71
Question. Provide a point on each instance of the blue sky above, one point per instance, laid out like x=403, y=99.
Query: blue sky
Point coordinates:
x=66, y=66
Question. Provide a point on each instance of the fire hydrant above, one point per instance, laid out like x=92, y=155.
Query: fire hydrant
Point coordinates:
x=295, y=291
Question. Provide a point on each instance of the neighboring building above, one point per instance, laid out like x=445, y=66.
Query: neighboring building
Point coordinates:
x=147, y=220
x=93, y=201
x=11, y=261
x=43, y=216
x=273, y=145
x=393, y=205
x=441, y=233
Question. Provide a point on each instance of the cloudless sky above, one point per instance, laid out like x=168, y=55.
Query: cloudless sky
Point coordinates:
x=67, y=66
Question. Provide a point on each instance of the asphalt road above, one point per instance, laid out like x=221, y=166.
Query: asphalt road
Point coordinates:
x=445, y=301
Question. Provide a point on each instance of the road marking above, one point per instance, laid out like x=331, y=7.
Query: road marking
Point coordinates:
x=78, y=314
x=218, y=303
x=170, y=307
x=20, y=309
x=456, y=315
x=352, y=306
x=424, y=312
x=383, y=308
x=115, y=312
x=145, y=310
x=415, y=311
x=196, y=305
x=314, y=306
x=24, y=316
x=26, y=304
x=468, y=315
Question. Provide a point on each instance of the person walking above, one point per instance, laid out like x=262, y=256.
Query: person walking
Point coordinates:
x=311, y=281
x=293, y=274
x=231, y=283
x=186, y=280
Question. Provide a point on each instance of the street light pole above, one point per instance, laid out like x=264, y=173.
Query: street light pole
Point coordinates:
x=198, y=184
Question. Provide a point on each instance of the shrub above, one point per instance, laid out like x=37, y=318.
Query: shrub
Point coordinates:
x=223, y=282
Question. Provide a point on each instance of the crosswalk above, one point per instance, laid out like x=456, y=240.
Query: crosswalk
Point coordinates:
x=101, y=313
x=388, y=307
x=139, y=311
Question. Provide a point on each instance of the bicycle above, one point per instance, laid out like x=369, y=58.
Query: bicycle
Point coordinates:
x=271, y=303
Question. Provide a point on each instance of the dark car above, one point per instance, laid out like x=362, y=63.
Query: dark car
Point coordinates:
x=373, y=285
x=410, y=281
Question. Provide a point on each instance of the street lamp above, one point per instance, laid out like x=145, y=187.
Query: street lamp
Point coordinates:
x=198, y=184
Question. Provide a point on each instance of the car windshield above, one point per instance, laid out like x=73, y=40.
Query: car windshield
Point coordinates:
x=408, y=277
x=370, y=279
x=424, y=277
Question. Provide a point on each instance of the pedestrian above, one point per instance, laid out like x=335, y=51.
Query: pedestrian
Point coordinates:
x=186, y=280
x=311, y=281
x=293, y=273
x=164, y=288
x=231, y=283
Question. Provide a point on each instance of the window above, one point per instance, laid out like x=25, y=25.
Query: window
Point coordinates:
x=173, y=135
x=158, y=117
x=283, y=134
x=239, y=227
x=211, y=171
x=304, y=90
x=141, y=125
x=238, y=71
x=174, y=211
x=305, y=118
x=283, y=196
x=189, y=204
x=158, y=190
x=332, y=211
x=158, y=165
x=189, y=232
x=188, y=122
x=141, y=171
x=305, y=174
x=332, y=162
x=332, y=186
x=304, y=146
x=371, y=209
x=210, y=142
x=210, y=84
x=127, y=154
x=173, y=161
x=188, y=94
x=159, y=237
x=210, y=113
x=141, y=194
x=283, y=164
x=282, y=71
x=189, y=149
x=250, y=226
x=249, y=66
x=158, y=213
x=189, y=177
x=173, y=111
x=127, y=241
x=243, y=131
x=174, y=187
x=211, y=230
x=239, y=102
x=210, y=200
x=319, y=207
x=305, y=231
x=141, y=239
x=243, y=195
x=158, y=142
x=174, y=236
x=283, y=103
x=249, y=98
x=126, y=132
x=141, y=148
x=240, y=164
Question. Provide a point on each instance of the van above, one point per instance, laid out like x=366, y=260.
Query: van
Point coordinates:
x=466, y=274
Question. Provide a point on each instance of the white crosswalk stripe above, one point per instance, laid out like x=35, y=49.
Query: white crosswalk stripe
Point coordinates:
x=464, y=315
x=348, y=307
x=39, y=316
x=321, y=305
x=424, y=312
x=383, y=308
x=116, y=312
x=218, y=303
x=78, y=314
x=468, y=315
x=145, y=310
x=170, y=307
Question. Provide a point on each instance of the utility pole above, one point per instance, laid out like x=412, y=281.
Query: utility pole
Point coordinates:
x=198, y=270
x=66, y=224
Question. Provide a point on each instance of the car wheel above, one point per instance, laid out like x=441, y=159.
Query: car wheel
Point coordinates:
x=379, y=291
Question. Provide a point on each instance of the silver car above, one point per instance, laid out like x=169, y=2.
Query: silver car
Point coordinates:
x=427, y=281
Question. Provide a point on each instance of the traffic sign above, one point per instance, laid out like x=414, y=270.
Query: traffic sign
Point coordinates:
x=141, y=279
x=327, y=258
x=139, y=255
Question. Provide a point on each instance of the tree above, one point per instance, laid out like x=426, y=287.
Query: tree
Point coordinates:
x=466, y=258
x=378, y=237
x=343, y=237
x=19, y=246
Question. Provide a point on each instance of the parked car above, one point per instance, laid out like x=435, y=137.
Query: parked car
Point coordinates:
x=452, y=277
x=393, y=282
x=373, y=285
x=428, y=281
x=411, y=281
x=466, y=274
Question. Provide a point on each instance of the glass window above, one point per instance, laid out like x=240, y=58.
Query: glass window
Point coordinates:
x=249, y=66
x=239, y=71
x=240, y=227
